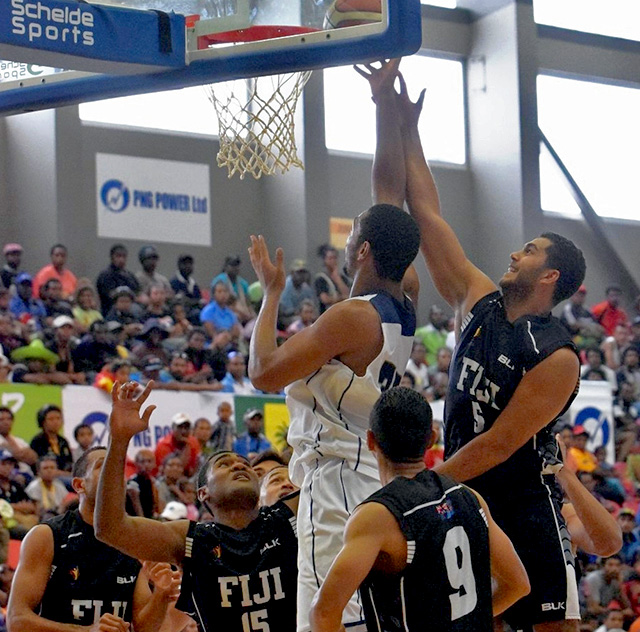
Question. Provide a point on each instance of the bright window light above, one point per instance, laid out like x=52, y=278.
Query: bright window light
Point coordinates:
x=616, y=18
x=187, y=110
x=595, y=129
x=350, y=113
x=449, y=4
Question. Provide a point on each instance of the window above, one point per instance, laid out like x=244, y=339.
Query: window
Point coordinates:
x=616, y=18
x=350, y=113
x=595, y=129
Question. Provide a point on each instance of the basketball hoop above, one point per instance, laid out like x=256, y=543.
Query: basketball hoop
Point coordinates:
x=256, y=127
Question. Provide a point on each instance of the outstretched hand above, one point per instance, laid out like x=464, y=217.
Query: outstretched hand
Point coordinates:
x=125, y=420
x=271, y=275
x=409, y=110
x=380, y=79
x=166, y=581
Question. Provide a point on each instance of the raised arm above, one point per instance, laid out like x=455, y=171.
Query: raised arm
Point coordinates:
x=459, y=282
x=138, y=537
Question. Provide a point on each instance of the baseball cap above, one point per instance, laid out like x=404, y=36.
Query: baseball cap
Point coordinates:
x=61, y=321
x=5, y=455
x=298, y=264
x=179, y=419
x=253, y=412
x=626, y=511
x=580, y=430
x=11, y=248
x=174, y=511
x=122, y=290
x=153, y=364
x=147, y=252
x=23, y=277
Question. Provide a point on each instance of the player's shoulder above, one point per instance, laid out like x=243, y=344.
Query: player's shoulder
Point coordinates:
x=540, y=336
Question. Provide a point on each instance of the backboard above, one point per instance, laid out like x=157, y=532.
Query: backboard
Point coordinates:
x=119, y=47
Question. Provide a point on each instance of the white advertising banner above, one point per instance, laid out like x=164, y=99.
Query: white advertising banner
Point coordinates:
x=84, y=404
x=153, y=200
x=593, y=409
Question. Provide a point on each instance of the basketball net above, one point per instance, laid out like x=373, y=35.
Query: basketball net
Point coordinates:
x=256, y=127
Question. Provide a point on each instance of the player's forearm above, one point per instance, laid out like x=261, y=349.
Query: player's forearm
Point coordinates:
x=152, y=617
x=325, y=618
x=31, y=622
x=422, y=194
x=475, y=458
x=264, y=343
x=506, y=594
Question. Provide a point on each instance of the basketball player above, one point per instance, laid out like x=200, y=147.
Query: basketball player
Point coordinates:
x=335, y=370
x=423, y=549
x=514, y=372
x=67, y=580
x=239, y=570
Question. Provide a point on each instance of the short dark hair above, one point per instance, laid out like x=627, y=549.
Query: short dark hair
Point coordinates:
x=197, y=330
x=47, y=284
x=44, y=411
x=81, y=465
x=401, y=422
x=394, y=238
x=55, y=246
x=76, y=430
x=563, y=255
x=594, y=349
x=6, y=409
x=267, y=455
x=201, y=478
x=49, y=456
x=324, y=249
x=410, y=377
x=117, y=248
x=185, y=257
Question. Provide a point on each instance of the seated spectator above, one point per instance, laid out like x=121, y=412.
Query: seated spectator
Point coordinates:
x=626, y=413
x=23, y=306
x=187, y=492
x=594, y=375
x=142, y=492
x=153, y=369
x=176, y=378
x=297, y=288
x=13, y=257
x=603, y=586
x=148, y=276
x=204, y=364
x=236, y=380
x=308, y=316
x=167, y=481
x=185, y=287
x=85, y=310
x=223, y=433
x=595, y=360
x=331, y=284
x=25, y=513
x=56, y=270
x=96, y=349
x=123, y=312
x=64, y=346
x=10, y=334
x=443, y=361
x=614, y=345
x=629, y=370
x=181, y=442
x=585, y=460
x=238, y=289
x=46, y=490
x=50, y=441
x=613, y=622
x=54, y=304
x=266, y=461
x=117, y=371
x=631, y=586
x=151, y=338
x=438, y=388
x=218, y=317
x=182, y=327
x=609, y=314
x=417, y=365
x=579, y=321
x=407, y=381
x=157, y=306
x=16, y=446
x=275, y=486
x=37, y=365
x=202, y=429
x=84, y=436
x=252, y=442
x=433, y=335
x=630, y=541
x=115, y=276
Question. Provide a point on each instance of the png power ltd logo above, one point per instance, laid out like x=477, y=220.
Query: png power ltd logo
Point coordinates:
x=115, y=195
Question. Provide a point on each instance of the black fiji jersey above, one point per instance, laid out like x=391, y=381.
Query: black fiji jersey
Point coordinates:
x=491, y=358
x=245, y=580
x=88, y=578
x=446, y=585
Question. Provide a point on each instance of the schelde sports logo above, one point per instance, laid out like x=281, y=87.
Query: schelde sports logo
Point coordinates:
x=115, y=195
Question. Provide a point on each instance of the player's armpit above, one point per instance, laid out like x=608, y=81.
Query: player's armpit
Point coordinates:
x=411, y=285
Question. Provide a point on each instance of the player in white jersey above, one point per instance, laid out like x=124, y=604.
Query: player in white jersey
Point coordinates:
x=336, y=369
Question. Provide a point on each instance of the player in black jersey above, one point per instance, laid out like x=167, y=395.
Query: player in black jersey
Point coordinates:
x=423, y=548
x=68, y=581
x=240, y=570
x=514, y=371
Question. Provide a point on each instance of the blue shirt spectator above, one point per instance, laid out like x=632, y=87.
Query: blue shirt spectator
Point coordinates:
x=252, y=442
x=22, y=305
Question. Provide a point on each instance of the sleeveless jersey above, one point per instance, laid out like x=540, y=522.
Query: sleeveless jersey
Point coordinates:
x=245, y=580
x=329, y=409
x=446, y=585
x=88, y=578
x=490, y=360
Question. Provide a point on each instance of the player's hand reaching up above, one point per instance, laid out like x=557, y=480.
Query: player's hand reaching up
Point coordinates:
x=166, y=581
x=126, y=420
x=271, y=275
x=380, y=79
x=109, y=623
x=408, y=110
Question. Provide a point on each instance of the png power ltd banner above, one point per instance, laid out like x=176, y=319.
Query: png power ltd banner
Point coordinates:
x=153, y=200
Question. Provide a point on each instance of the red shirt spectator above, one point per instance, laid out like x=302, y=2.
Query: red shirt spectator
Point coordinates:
x=56, y=270
x=608, y=313
x=181, y=441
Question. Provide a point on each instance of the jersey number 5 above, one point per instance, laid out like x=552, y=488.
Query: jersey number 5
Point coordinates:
x=255, y=621
x=457, y=558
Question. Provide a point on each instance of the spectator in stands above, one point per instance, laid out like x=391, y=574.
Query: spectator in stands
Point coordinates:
x=629, y=370
x=595, y=360
x=308, y=316
x=50, y=440
x=148, y=276
x=16, y=446
x=408, y=381
x=253, y=441
x=202, y=429
x=122, y=311
x=433, y=335
x=13, y=257
x=64, y=346
x=10, y=334
x=626, y=414
x=613, y=346
x=204, y=364
x=84, y=436
x=296, y=290
x=613, y=622
x=443, y=361
x=417, y=365
x=609, y=313
x=25, y=513
x=266, y=461
x=603, y=586
x=36, y=365
x=184, y=285
x=635, y=333
x=23, y=306
x=579, y=321
x=95, y=350
x=142, y=491
x=167, y=482
x=238, y=288
x=236, y=380
x=223, y=433
x=180, y=441
x=152, y=369
x=56, y=270
x=118, y=370
x=631, y=586
x=157, y=306
x=85, y=310
x=46, y=490
x=630, y=541
x=54, y=305
x=218, y=317
x=276, y=485
x=151, y=338
x=584, y=459
x=331, y=284
x=438, y=387
x=114, y=276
